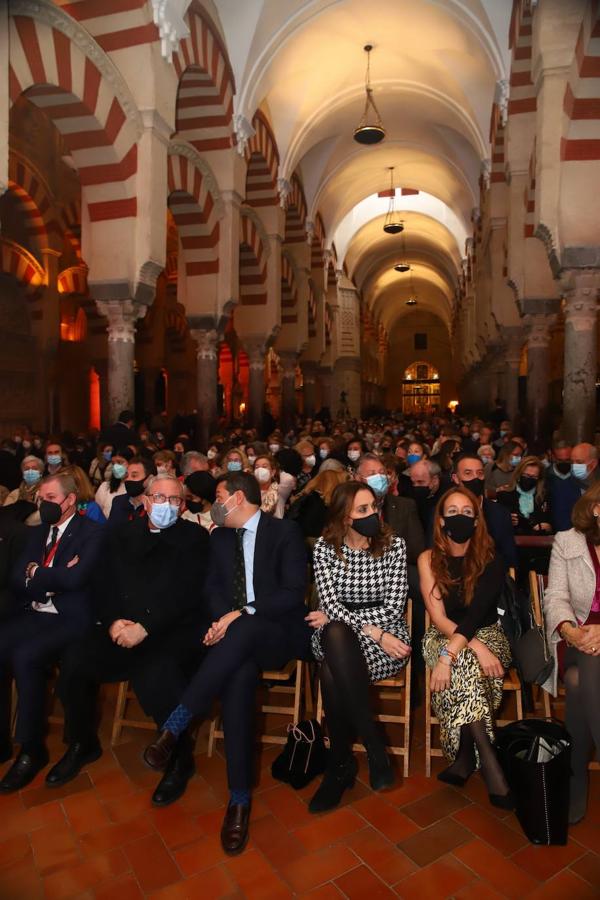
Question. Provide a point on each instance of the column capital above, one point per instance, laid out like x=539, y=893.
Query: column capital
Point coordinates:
x=538, y=330
x=122, y=316
x=513, y=338
x=580, y=291
x=288, y=360
x=256, y=348
x=207, y=341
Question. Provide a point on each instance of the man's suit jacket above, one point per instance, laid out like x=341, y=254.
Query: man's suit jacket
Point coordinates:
x=13, y=536
x=499, y=524
x=72, y=587
x=279, y=580
x=156, y=579
x=401, y=514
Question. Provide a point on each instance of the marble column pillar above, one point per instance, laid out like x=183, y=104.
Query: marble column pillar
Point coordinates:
x=326, y=381
x=513, y=340
x=309, y=378
x=207, y=341
x=288, y=388
x=581, y=346
x=122, y=316
x=256, y=387
x=538, y=372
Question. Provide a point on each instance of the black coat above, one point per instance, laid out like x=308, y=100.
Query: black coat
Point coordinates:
x=121, y=511
x=13, y=536
x=279, y=580
x=156, y=579
x=72, y=586
x=401, y=514
x=499, y=525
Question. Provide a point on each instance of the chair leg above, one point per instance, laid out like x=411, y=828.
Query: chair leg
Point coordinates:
x=119, y=712
x=308, y=693
x=298, y=690
x=211, y=736
x=519, y=696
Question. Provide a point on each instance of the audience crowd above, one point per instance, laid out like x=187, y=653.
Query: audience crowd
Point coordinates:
x=135, y=555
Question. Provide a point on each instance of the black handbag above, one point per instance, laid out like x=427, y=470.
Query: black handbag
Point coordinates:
x=526, y=639
x=535, y=755
x=304, y=756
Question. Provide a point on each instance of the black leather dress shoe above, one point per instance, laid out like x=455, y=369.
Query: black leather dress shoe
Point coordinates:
x=174, y=782
x=23, y=771
x=234, y=831
x=158, y=754
x=6, y=750
x=77, y=756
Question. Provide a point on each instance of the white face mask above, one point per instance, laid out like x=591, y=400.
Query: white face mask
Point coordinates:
x=354, y=455
x=274, y=448
x=211, y=454
x=310, y=460
x=262, y=474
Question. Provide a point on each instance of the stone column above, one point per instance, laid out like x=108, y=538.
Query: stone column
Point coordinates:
x=256, y=386
x=207, y=340
x=309, y=377
x=538, y=372
x=347, y=382
x=325, y=379
x=579, y=391
x=122, y=316
x=288, y=388
x=513, y=340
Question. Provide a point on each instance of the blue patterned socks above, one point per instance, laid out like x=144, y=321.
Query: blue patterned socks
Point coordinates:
x=241, y=797
x=178, y=721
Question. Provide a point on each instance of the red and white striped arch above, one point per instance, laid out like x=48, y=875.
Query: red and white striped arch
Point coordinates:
x=289, y=293
x=581, y=103
x=295, y=214
x=522, y=89
x=529, y=196
x=332, y=268
x=22, y=265
x=317, y=257
x=497, y=135
x=37, y=204
x=193, y=208
x=206, y=86
x=312, y=310
x=114, y=24
x=73, y=281
x=70, y=219
x=253, y=268
x=262, y=157
x=59, y=78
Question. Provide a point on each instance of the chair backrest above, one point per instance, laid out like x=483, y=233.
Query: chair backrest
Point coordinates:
x=537, y=584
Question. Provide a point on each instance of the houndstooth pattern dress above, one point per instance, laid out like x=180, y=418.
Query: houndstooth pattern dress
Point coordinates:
x=362, y=578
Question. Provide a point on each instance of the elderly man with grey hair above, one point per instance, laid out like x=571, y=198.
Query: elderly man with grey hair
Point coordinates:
x=193, y=461
x=426, y=489
x=149, y=629
x=24, y=498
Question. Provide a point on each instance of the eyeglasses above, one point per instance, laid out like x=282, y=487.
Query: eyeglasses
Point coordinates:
x=162, y=498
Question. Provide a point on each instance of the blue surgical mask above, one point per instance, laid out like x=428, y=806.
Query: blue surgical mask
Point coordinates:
x=163, y=515
x=579, y=470
x=119, y=470
x=107, y=454
x=514, y=461
x=234, y=465
x=379, y=484
x=31, y=476
x=503, y=433
x=54, y=459
x=413, y=458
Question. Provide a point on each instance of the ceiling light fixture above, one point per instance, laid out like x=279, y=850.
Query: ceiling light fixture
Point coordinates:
x=392, y=224
x=403, y=266
x=369, y=132
x=412, y=297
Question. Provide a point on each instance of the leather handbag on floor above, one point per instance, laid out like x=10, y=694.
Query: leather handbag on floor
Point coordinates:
x=304, y=756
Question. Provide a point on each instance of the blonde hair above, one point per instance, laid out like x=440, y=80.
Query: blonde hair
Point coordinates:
x=325, y=483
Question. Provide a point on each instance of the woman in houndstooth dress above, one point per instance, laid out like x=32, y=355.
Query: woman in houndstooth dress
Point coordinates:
x=360, y=632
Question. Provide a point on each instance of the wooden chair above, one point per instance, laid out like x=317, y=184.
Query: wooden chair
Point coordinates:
x=120, y=719
x=511, y=684
x=396, y=689
x=297, y=670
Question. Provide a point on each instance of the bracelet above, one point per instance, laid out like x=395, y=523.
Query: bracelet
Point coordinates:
x=445, y=653
x=381, y=637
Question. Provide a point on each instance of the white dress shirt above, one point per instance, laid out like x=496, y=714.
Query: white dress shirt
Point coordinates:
x=248, y=544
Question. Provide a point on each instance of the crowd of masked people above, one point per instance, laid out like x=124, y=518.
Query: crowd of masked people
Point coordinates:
x=133, y=555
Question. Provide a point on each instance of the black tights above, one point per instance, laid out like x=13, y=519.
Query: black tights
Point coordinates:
x=345, y=685
x=474, y=735
x=582, y=682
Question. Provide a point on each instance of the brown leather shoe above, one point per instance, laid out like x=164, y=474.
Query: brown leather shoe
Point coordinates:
x=158, y=754
x=234, y=831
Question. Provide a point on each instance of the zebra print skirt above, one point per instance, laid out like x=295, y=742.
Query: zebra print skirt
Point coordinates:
x=472, y=696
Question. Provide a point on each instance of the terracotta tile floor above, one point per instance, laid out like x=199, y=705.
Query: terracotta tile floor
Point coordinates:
x=100, y=838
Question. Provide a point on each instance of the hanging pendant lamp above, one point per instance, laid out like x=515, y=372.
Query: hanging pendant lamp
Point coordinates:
x=370, y=129
x=412, y=297
x=392, y=224
x=403, y=266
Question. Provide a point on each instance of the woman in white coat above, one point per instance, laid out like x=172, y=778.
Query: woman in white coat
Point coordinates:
x=572, y=615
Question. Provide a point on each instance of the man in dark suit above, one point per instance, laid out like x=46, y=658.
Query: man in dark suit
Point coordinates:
x=469, y=472
x=52, y=581
x=153, y=619
x=256, y=587
x=129, y=506
x=121, y=433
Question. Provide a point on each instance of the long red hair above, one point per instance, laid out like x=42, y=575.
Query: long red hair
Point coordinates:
x=479, y=552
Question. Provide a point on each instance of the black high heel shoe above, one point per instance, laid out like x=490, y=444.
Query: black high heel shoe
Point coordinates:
x=503, y=801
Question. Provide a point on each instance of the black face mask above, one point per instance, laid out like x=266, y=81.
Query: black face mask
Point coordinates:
x=459, y=528
x=527, y=482
x=194, y=506
x=563, y=467
x=50, y=512
x=420, y=493
x=475, y=485
x=369, y=527
x=134, y=488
